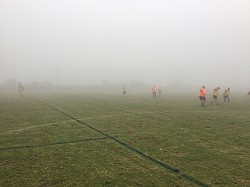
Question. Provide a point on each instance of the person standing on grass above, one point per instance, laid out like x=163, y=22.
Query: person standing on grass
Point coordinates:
x=124, y=91
x=154, y=91
x=20, y=89
x=226, y=95
x=202, y=95
x=248, y=93
x=159, y=90
x=215, y=95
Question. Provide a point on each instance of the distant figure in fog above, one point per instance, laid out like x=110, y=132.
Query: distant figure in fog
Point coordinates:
x=202, y=95
x=124, y=91
x=248, y=93
x=20, y=89
x=226, y=95
x=159, y=90
x=154, y=91
x=215, y=95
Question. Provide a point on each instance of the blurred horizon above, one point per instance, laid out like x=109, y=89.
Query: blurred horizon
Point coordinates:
x=190, y=43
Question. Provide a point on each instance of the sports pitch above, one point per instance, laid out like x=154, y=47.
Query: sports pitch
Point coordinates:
x=111, y=140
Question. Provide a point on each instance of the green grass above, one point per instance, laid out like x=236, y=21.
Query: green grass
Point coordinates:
x=130, y=136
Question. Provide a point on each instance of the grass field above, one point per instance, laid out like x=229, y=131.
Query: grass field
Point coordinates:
x=110, y=140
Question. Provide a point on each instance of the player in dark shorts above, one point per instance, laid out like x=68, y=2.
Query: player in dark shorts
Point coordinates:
x=202, y=95
x=215, y=95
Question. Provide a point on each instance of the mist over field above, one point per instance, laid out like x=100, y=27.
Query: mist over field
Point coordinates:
x=111, y=93
x=176, y=44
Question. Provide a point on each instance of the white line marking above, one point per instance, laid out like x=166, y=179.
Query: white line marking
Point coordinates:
x=97, y=117
x=31, y=127
x=117, y=115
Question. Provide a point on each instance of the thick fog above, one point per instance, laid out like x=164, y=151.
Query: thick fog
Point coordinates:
x=194, y=42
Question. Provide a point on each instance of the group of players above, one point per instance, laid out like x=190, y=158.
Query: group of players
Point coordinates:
x=202, y=95
x=154, y=90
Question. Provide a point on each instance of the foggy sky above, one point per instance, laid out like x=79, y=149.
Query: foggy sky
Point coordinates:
x=195, y=42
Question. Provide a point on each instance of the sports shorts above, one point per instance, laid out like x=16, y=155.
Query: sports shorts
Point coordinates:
x=202, y=98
